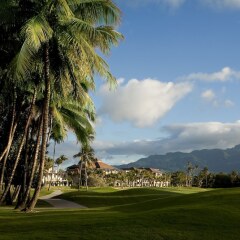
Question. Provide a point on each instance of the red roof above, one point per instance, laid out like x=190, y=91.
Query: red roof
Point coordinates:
x=101, y=165
x=95, y=165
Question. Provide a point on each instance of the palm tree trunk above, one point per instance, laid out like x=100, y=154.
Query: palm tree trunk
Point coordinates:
x=80, y=175
x=16, y=193
x=24, y=174
x=6, y=152
x=45, y=119
x=86, y=177
x=11, y=132
x=7, y=187
x=50, y=182
x=34, y=164
x=4, y=167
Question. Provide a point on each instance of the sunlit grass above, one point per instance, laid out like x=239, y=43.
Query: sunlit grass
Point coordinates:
x=142, y=214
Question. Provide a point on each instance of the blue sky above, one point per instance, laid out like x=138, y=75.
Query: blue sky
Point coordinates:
x=179, y=81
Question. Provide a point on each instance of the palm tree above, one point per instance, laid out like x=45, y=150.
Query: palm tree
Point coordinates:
x=61, y=40
x=59, y=161
x=20, y=148
x=87, y=158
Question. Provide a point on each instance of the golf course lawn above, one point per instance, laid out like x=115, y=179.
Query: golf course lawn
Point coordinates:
x=132, y=214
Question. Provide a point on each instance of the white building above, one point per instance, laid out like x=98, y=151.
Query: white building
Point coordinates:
x=55, y=178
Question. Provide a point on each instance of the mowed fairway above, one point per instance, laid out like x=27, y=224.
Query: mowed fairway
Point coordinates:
x=133, y=214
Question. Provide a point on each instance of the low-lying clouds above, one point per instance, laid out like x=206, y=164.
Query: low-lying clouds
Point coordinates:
x=143, y=102
x=181, y=137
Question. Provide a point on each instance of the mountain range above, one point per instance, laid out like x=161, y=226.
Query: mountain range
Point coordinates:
x=217, y=160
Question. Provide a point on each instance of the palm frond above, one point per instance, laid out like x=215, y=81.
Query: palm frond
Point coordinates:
x=35, y=32
x=106, y=37
x=97, y=11
x=62, y=8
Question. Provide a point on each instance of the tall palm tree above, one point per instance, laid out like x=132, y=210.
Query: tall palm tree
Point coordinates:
x=87, y=158
x=61, y=39
x=59, y=161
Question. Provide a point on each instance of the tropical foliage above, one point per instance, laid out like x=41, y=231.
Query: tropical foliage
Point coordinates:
x=50, y=54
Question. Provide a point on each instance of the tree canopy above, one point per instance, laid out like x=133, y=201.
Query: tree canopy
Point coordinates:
x=50, y=55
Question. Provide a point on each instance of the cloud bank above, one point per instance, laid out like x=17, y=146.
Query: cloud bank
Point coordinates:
x=181, y=137
x=143, y=102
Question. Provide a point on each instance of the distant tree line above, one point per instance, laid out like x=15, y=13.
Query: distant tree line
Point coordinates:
x=195, y=177
x=191, y=177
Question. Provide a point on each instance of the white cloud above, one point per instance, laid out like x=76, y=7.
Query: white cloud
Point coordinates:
x=142, y=103
x=173, y=3
x=233, y=4
x=228, y=103
x=181, y=137
x=223, y=75
x=208, y=95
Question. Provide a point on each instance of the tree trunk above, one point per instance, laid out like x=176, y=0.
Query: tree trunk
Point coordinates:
x=11, y=133
x=7, y=153
x=4, y=167
x=50, y=182
x=19, y=150
x=47, y=93
x=86, y=177
x=24, y=174
x=80, y=175
x=16, y=192
x=34, y=164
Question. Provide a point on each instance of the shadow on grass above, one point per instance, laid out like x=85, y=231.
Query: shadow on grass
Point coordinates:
x=93, y=199
x=147, y=199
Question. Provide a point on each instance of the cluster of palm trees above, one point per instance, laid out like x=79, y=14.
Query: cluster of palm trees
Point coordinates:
x=48, y=60
x=138, y=178
x=87, y=159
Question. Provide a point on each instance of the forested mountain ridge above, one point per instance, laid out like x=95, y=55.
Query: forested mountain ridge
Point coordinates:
x=217, y=160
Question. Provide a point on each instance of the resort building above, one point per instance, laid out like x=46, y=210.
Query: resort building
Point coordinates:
x=126, y=177
x=97, y=166
x=142, y=177
x=55, y=178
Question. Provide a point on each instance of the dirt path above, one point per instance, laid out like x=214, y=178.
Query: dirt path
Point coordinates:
x=60, y=203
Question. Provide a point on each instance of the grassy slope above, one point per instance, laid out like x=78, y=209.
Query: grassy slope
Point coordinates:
x=133, y=214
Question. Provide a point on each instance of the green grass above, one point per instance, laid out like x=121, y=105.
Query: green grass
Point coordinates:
x=142, y=214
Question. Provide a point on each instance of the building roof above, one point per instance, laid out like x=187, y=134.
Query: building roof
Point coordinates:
x=95, y=165
x=101, y=165
x=72, y=167
x=154, y=170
